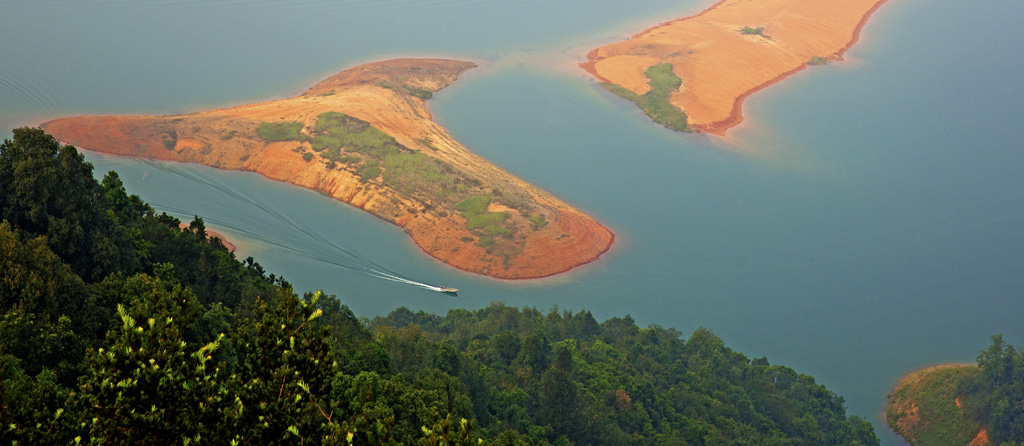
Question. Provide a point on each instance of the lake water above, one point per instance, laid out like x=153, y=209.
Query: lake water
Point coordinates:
x=864, y=221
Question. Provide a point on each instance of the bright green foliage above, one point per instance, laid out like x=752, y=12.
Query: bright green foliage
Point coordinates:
x=538, y=221
x=474, y=209
x=285, y=376
x=280, y=131
x=655, y=103
x=369, y=171
x=410, y=171
x=996, y=394
x=338, y=130
x=474, y=205
x=150, y=386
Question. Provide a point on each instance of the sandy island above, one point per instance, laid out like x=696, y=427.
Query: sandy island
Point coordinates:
x=364, y=136
x=732, y=50
x=914, y=419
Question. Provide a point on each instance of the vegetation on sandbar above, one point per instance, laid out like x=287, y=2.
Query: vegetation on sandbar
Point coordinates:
x=817, y=60
x=280, y=131
x=752, y=31
x=655, y=102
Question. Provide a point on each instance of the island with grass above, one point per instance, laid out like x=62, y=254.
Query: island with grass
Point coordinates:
x=963, y=404
x=364, y=136
x=693, y=74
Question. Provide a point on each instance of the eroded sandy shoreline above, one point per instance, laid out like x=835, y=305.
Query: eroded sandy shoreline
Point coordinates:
x=413, y=176
x=732, y=50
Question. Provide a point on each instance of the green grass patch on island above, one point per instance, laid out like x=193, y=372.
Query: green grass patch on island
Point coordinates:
x=936, y=421
x=280, y=131
x=337, y=130
x=369, y=171
x=655, y=103
x=478, y=218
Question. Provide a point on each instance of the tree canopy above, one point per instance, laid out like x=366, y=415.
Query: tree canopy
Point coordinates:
x=119, y=327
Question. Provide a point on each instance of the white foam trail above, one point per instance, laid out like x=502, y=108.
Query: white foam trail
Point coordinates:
x=359, y=263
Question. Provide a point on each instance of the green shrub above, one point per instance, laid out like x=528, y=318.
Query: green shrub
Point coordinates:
x=280, y=131
x=655, y=103
x=759, y=31
x=485, y=241
x=307, y=156
x=474, y=205
x=538, y=221
x=421, y=93
x=228, y=135
x=481, y=221
x=369, y=171
x=818, y=60
x=338, y=130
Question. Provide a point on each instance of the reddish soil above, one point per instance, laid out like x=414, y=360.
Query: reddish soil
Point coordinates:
x=720, y=65
x=377, y=93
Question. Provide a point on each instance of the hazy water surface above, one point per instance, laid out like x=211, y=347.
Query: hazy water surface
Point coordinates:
x=864, y=221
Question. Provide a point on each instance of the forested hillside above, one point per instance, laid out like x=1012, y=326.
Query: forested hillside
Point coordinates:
x=117, y=327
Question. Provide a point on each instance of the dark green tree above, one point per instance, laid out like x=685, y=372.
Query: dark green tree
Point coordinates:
x=286, y=374
x=48, y=189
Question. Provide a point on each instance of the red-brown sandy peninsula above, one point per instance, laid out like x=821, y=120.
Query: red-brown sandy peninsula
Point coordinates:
x=457, y=206
x=732, y=50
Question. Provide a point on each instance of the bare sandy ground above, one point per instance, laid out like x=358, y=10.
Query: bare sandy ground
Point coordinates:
x=378, y=93
x=720, y=65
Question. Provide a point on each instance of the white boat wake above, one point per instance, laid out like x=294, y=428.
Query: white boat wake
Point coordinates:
x=342, y=257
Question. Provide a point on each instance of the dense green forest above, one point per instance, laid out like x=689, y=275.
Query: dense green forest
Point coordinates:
x=117, y=327
x=995, y=395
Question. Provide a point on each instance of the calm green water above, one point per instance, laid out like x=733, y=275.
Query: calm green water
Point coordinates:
x=866, y=221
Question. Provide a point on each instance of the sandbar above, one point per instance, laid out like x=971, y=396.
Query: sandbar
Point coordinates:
x=732, y=50
x=364, y=136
